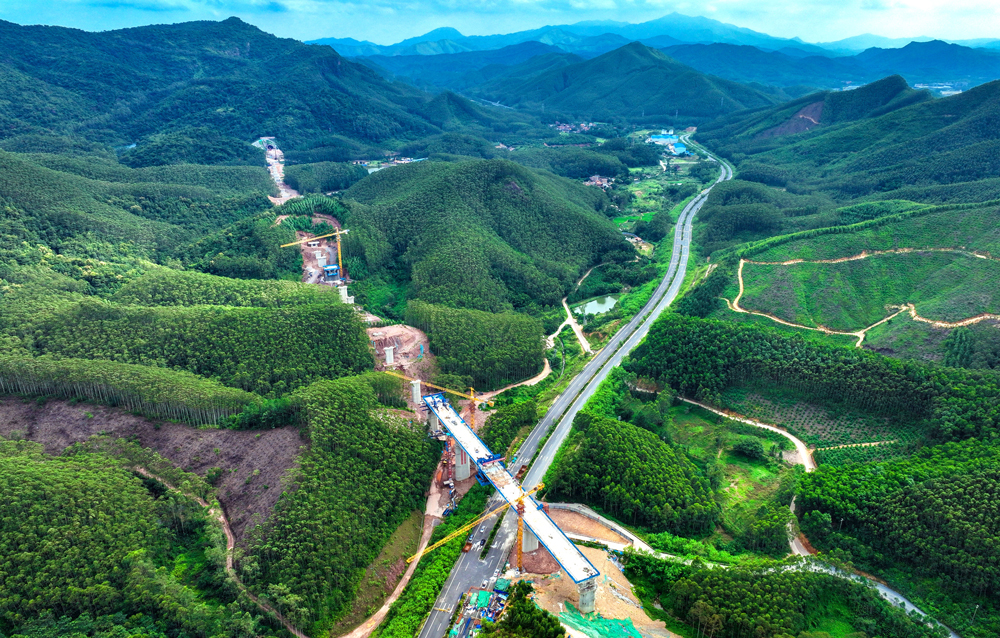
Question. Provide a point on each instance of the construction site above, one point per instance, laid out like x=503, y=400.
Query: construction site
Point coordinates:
x=582, y=586
x=534, y=524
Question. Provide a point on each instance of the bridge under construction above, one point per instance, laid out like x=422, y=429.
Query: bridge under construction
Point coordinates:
x=540, y=528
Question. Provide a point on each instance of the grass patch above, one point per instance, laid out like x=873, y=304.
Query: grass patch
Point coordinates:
x=746, y=484
x=855, y=294
x=382, y=575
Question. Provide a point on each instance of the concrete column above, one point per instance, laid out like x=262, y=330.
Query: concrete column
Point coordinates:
x=588, y=595
x=388, y=355
x=463, y=467
x=529, y=542
x=432, y=421
x=415, y=392
x=343, y=293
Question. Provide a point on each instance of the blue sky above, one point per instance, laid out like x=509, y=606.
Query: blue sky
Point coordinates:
x=388, y=21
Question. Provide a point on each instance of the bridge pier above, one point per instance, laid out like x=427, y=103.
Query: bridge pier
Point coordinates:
x=415, y=393
x=588, y=595
x=529, y=542
x=463, y=465
x=432, y=422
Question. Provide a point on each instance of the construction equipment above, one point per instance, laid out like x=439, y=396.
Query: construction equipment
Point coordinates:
x=479, y=520
x=337, y=234
x=471, y=396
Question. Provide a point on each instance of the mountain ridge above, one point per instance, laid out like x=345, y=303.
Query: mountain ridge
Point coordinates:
x=657, y=86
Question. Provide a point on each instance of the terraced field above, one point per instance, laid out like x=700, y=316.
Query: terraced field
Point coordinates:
x=817, y=425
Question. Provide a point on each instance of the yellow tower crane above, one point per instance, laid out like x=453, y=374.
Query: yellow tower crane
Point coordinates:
x=337, y=234
x=462, y=530
x=471, y=396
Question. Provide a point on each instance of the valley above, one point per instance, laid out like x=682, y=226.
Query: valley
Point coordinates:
x=724, y=303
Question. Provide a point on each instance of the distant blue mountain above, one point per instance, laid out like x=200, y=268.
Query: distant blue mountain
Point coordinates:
x=668, y=30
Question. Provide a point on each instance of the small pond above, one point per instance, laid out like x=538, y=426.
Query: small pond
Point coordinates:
x=596, y=306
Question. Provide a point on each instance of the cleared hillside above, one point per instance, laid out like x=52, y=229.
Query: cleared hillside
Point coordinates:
x=933, y=269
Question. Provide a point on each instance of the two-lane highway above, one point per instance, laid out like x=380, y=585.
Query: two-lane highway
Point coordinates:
x=469, y=571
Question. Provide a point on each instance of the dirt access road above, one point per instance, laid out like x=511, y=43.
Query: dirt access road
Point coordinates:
x=214, y=511
x=276, y=167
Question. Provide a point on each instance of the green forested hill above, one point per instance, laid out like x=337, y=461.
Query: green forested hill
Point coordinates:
x=363, y=474
x=98, y=208
x=129, y=85
x=92, y=549
x=256, y=349
x=769, y=127
x=876, y=141
x=634, y=82
x=165, y=287
x=484, y=234
x=630, y=473
x=929, y=520
x=701, y=358
x=481, y=348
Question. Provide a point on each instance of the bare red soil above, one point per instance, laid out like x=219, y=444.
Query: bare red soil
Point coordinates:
x=58, y=424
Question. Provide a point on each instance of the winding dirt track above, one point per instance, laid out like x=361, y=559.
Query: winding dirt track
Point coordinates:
x=550, y=341
x=368, y=626
x=216, y=512
x=865, y=254
x=734, y=305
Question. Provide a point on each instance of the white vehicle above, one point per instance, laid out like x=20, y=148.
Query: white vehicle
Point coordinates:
x=482, y=529
x=483, y=586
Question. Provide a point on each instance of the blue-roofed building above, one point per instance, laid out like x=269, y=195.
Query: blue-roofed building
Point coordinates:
x=663, y=139
x=680, y=149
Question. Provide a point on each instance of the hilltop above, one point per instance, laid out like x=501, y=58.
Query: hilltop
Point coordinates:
x=918, y=62
x=228, y=77
x=633, y=82
x=484, y=234
x=667, y=30
x=884, y=141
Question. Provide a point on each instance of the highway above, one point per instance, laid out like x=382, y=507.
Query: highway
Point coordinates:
x=469, y=571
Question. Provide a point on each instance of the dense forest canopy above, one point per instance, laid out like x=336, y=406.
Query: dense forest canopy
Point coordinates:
x=165, y=287
x=487, y=234
x=771, y=600
x=256, y=349
x=630, y=473
x=482, y=349
x=701, y=358
x=146, y=82
x=98, y=208
x=934, y=511
x=364, y=472
x=104, y=552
